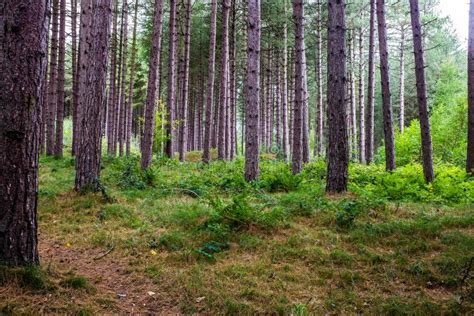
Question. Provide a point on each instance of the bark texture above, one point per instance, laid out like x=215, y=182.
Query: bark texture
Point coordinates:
x=386, y=94
x=426, y=144
x=470, y=120
x=371, y=87
x=58, y=151
x=148, y=132
x=338, y=151
x=252, y=92
x=23, y=51
x=95, y=24
x=53, y=77
x=171, y=101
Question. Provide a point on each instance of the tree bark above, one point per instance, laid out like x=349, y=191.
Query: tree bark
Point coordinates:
x=210, y=85
x=284, y=89
x=386, y=94
x=426, y=144
x=123, y=80
x=58, y=152
x=338, y=151
x=470, y=115
x=352, y=110
x=74, y=55
x=362, y=140
x=233, y=82
x=23, y=51
x=95, y=24
x=171, y=99
x=298, y=110
x=133, y=67
x=185, y=84
x=111, y=104
x=252, y=94
x=319, y=133
x=371, y=87
x=148, y=132
x=53, y=81
x=223, y=89
x=401, y=99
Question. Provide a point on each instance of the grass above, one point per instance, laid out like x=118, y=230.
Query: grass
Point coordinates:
x=194, y=238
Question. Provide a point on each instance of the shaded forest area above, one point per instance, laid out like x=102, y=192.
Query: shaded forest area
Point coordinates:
x=287, y=157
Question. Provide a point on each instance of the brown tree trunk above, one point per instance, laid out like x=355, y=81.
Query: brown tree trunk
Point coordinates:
x=426, y=145
x=111, y=104
x=185, y=84
x=252, y=91
x=74, y=74
x=123, y=80
x=223, y=89
x=362, y=151
x=133, y=67
x=58, y=152
x=386, y=95
x=278, y=104
x=171, y=101
x=338, y=151
x=95, y=24
x=298, y=111
x=23, y=51
x=401, y=102
x=371, y=87
x=284, y=90
x=44, y=89
x=233, y=82
x=53, y=81
x=319, y=132
x=470, y=115
x=148, y=131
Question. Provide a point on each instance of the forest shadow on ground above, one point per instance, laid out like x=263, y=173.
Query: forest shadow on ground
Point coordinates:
x=184, y=238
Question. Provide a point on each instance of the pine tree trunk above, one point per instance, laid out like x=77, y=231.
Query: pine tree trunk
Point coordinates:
x=278, y=104
x=22, y=65
x=74, y=74
x=123, y=80
x=171, y=101
x=252, y=91
x=298, y=110
x=386, y=95
x=111, y=105
x=53, y=81
x=44, y=89
x=233, y=81
x=319, y=134
x=401, y=115
x=223, y=90
x=353, y=112
x=58, y=152
x=284, y=90
x=95, y=23
x=148, y=132
x=362, y=141
x=371, y=87
x=470, y=115
x=426, y=144
x=338, y=151
x=306, y=120
x=185, y=84
x=133, y=67
x=210, y=85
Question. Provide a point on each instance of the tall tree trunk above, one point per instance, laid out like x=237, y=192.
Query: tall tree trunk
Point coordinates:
x=133, y=66
x=221, y=154
x=118, y=85
x=233, y=82
x=171, y=101
x=123, y=80
x=284, y=89
x=362, y=151
x=148, y=131
x=44, y=89
x=23, y=51
x=306, y=120
x=185, y=84
x=111, y=105
x=58, y=152
x=371, y=87
x=401, y=102
x=252, y=92
x=426, y=145
x=353, y=112
x=53, y=81
x=298, y=111
x=338, y=151
x=319, y=132
x=278, y=104
x=470, y=116
x=95, y=23
x=386, y=95
x=74, y=74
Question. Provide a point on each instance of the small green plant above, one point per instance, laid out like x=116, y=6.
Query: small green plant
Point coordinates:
x=32, y=277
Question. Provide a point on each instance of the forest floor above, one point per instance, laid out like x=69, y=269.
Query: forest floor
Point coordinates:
x=195, y=239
